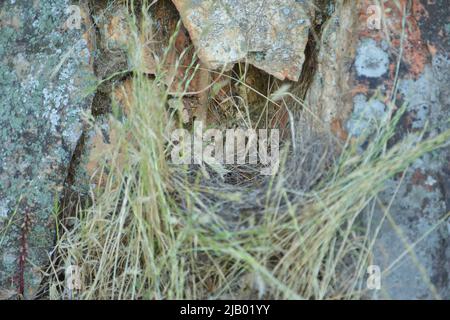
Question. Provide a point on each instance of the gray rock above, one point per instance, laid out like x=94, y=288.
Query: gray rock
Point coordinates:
x=351, y=86
x=45, y=76
x=271, y=35
x=413, y=248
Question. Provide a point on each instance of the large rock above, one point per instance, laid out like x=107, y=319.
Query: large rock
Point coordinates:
x=45, y=71
x=271, y=35
x=330, y=94
x=364, y=73
x=412, y=247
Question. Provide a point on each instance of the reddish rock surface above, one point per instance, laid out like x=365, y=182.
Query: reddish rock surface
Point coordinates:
x=364, y=75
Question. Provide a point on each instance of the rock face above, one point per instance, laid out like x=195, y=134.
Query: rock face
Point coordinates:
x=45, y=71
x=412, y=247
x=271, y=35
x=329, y=94
x=363, y=74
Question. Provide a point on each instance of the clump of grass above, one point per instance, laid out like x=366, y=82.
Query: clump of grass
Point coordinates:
x=158, y=231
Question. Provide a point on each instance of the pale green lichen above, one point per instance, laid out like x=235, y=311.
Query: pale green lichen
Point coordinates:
x=43, y=73
x=366, y=116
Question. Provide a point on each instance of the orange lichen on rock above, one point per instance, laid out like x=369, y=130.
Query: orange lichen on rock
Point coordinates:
x=338, y=129
x=397, y=30
x=123, y=95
